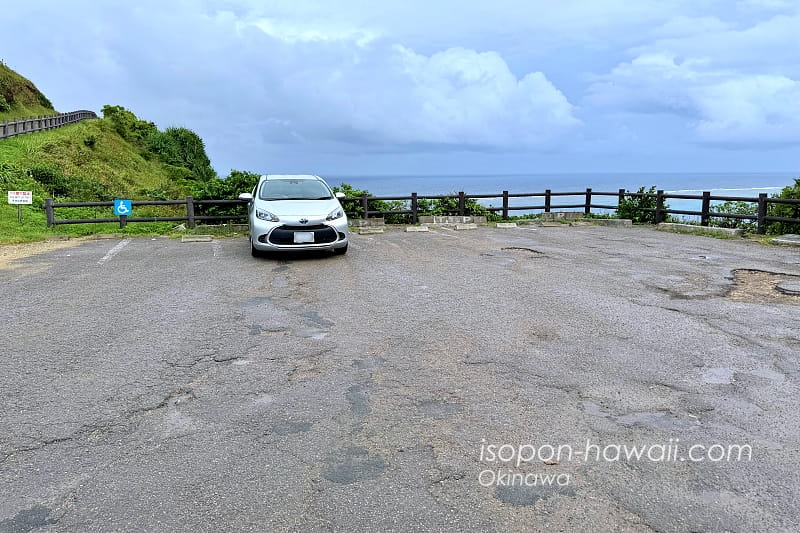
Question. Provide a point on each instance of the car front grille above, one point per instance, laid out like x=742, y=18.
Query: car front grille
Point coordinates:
x=284, y=235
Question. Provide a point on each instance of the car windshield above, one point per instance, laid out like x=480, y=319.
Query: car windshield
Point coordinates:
x=301, y=189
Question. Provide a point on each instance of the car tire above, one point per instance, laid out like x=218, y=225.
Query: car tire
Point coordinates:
x=340, y=251
x=255, y=252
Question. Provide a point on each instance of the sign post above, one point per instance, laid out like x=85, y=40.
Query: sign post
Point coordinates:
x=122, y=209
x=20, y=198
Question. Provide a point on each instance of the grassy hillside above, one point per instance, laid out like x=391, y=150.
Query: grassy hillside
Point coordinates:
x=92, y=160
x=20, y=98
x=87, y=161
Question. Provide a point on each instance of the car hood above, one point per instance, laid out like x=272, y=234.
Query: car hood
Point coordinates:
x=293, y=210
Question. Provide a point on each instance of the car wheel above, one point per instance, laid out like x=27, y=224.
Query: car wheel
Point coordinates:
x=255, y=252
x=340, y=251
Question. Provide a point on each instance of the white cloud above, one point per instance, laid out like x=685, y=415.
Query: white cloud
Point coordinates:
x=753, y=109
x=343, y=88
x=293, y=33
x=732, y=86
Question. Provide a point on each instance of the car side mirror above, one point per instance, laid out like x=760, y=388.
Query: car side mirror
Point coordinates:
x=340, y=195
x=246, y=196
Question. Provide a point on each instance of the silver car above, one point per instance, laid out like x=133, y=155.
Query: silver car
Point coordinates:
x=289, y=212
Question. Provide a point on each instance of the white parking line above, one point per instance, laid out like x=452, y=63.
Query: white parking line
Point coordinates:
x=114, y=251
x=451, y=235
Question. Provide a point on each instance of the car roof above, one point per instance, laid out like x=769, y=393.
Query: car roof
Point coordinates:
x=291, y=177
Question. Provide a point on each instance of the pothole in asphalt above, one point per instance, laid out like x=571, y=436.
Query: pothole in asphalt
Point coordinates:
x=759, y=286
x=352, y=464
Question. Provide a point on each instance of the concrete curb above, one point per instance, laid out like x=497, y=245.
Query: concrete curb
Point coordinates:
x=506, y=225
x=614, y=222
x=104, y=236
x=786, y=241
x=460, y=227
x=197, y=238
x=706, y=230
x=412, y=229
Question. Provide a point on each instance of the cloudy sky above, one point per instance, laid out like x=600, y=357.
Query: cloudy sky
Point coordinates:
x=358, y=87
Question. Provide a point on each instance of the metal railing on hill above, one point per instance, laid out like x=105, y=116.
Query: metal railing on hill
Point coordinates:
x=588, y=202
x=41, y=123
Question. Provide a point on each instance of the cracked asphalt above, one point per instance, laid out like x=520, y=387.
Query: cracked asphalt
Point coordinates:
x=153, y=385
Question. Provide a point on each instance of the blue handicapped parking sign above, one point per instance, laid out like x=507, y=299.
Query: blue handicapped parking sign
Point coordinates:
x=122, y=208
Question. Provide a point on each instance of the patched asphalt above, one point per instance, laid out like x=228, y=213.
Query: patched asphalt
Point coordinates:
x=154, y=385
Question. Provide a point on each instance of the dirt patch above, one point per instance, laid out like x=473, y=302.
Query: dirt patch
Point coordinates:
x=11, y=252
x=758, y=286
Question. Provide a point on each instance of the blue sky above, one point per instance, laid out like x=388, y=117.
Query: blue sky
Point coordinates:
x=356, y=87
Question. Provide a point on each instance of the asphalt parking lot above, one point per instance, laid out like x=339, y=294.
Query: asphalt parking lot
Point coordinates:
x=485, y=380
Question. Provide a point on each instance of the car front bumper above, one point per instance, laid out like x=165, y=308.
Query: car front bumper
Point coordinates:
x=277, y=236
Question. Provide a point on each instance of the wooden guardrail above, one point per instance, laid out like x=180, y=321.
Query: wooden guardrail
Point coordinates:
x=41, y=123
x=546, y=205
x=588, y=198
x=190, y=217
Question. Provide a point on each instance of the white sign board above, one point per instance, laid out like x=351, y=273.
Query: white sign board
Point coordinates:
x=20, y=197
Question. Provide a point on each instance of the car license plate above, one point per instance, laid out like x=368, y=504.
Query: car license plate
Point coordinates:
x=303, y=236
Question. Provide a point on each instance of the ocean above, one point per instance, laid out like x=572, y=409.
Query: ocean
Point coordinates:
x=719, y=184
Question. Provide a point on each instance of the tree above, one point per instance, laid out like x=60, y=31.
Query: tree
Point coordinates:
x=182, y=147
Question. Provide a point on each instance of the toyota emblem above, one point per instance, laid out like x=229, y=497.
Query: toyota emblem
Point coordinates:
x=303, y=221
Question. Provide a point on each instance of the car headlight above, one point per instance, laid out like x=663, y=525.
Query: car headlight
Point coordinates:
x=336, y=213
x=266, y=215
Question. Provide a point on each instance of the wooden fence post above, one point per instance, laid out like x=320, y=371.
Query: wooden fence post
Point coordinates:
x=659, y=206
x=587, y=209
x=762, y=213
x=414, y=208
x=48, y=209
x=547, y=201
x=505, y=205
x=461, y=203
x=190, y=211
x=706, y=209
x=365, y=204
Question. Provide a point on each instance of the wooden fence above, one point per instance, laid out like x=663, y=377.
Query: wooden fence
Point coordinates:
x=588, y=202
x=34, y=124
x=191, y=218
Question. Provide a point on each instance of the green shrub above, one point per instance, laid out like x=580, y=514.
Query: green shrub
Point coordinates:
x=785, y=210
x=183, y=148
x=449, y=206
x=127, y=125
x=4, y=105
x=43, y=100
x=356, y=209
x=237, y=182
x=735, y=208
x=90, y=141
x=637, y=208
x=52, y=178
